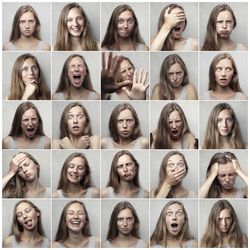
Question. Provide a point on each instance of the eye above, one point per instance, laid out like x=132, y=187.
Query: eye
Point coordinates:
x=169, y=213
x=80, y=116
x=69, y=19
x=70, y=117
x=179, y=214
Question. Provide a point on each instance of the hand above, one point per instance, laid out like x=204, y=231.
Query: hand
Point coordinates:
x=173, y=19
x=139, y=87
x=175, y=176
x=215, y=169
x=108, y=83
x=84, y=142
x=236, y=165
x=30, y=89
x=16, y=161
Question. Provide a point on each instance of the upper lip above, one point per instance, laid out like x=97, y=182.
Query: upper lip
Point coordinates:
x=27, y=220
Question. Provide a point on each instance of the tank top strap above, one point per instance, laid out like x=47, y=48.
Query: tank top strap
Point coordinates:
x=91, y=242
x=60, y=193
x=45, y=243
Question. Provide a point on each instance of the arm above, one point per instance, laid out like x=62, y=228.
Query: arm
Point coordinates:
x=239, y=171
x=95, y=142
x=104, y=143
x=192, y=93
x=47, y=144
x=95, y=192
x=155, y=92
x=204, y=189
x=30, y=89
x=105, y=193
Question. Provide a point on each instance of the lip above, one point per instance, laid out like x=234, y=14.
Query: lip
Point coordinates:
x=27, y=175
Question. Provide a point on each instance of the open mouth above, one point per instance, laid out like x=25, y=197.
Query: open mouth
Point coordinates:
x=177, y=29
x=174, y=225
x=75, y=127
x=28, y=222
x=175, y=132
x=30, y=130
x=75, y=222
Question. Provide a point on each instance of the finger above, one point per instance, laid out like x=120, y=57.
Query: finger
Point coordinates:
x=135, y=76
x=114, y=59
x=110, y=61
x=140, y=76
x=124, y=84
x=117, y=63
x=103, y=61
x=144, y=76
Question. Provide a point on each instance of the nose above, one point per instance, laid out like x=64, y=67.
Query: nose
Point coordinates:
x=223, y=72
x=125, y=168
x=24, y=215
x=74, y=21
x=27, y=25
x=174, y=125
x=125, y=24
x=75, y=119
x=224, y=25
x=75, y=170
x=174, y=77
x=174, y=216
x=227, y=178
x=125, y=223
x=224, y=123
x=75, y=215
x=124, y=124
x=223, y=222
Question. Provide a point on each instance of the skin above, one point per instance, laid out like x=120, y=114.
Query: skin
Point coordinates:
x=225, y=123
x=76, y=170
x=125, y=222
x=226, y=176
x=27, y=24
x=126, y=168
x=125, y=24
x=225, y=221
x=176, y=75
x=126, y=71
x=224, y=73
x=75, y=22
x=29, y=123
x=175, y=124
x=224, y=24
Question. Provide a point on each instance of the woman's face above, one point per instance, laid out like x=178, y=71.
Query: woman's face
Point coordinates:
x=27, y=216
x=126, y=168
x=30, y=71
x=76, y=121
x=224, y=24
x=176, y=75
x=75, y=217
x=126, y=71
x=125, y=221
x=226, y=176
x=27, y=24
x=29, y=123
x=75, y=22
x=175, y=219
x=175, y=124
x=175, y=164
x=180, y=27
x=76, y=72
x=27, y=170
x=76, y=170
x=224, y=72
x=125, y=124
x=125, y=24
x=225, y=122
x=225, y=220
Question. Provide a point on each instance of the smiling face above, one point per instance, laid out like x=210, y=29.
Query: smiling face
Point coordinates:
x=225, y=220
x=176, y=75
x=224, y=72
x=76, y=170
x=224, y=24
x=76, y=121
x=76, y=72
x=180, y=27
x=225, y=122
x=125, y=24
x=125, y=124
x=75, y=22
x=27, y=216
x=126, y=71
x=75, y=217
x=175, y=164
x=175, y=124
x=30, y=71
x=125, y=221
x=126, y=168
x=28, y=170
x=175, y=219
x=29, y=123
x=226, y=176
x=27, y=24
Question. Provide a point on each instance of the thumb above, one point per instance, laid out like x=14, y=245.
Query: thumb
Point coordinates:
x=124, y=84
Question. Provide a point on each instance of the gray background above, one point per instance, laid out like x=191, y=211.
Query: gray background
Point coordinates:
x=191, y=12
x=59, y=157
x=141, y=11
x=92, y=10
x=43, y=11
x=190, y=59
x=9, y=59
x=240, y=110
x=190, y=181
x=240, y=59
x=240, y=32
x=141, y=156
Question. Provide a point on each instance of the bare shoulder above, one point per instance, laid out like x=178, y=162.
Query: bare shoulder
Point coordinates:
x=105, y=193
x=7, y=46
x=146, y=194
x=241, y=47
x=95, y=141
x=56, y=143
x=55, y=195
x=104, y=143
x=47, y=144
x=56, y=244
x=97, y=96
x=97, y=242
x=144, y=142
x=46, y=47
x=7, y=242
x=155, y=92
x=56, y=96
x=194, y=44
x=6, y=142
x=95, y=192
x=191, y=141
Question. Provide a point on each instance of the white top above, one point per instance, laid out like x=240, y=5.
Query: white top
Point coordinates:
x=92, y=240
x=189, y=244
x=41, y=46
x=207, y=96
x=137, y=144
x=111, y=193
x=47, y=193
x=88, y=194
x=40, y=145
x=140, y=244
x=188, y=45
x=15, y=244
x=91, y=96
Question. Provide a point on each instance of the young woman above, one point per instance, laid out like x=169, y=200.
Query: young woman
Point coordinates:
x=124, y=73
x=75, y=129
x=27, y=82
x=172, y=228
x=25, y=33
x=26, y=231
x=124, y=226
x=123, y=31
x=26, y=129
x=223, y=130
x=124, y=178
x=75, y=179
x=221, y=175
x=223, y=229
x=223, y=80
x=173, y=169
x=124, y=128
x=221, y=23
x=73, y=31
x=75, y=82
x=172, y=22
x=74, y=228
x=174, y=83
x=22, y=178
x=173, y=131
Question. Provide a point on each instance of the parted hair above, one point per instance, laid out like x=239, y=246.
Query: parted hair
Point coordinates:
x=213, y=237
x=62, y=231
x=15, y=31
x=113, y=230
x=17, y=87
x=64, y=83
x=212, y=136
x=16, y=129
x=63, y=123
x=161, y=233
x=212, y=41
x=170, y=40
x=111, y=38
x=165, y=88
x=114, y=179
x=63, y=39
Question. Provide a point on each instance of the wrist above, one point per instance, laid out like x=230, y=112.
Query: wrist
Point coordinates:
x=166, y=27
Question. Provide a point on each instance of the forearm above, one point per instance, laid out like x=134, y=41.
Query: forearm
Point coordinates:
x=6, y=179
x=243, y=176
x=204, y=189
x=158, y=41
x=164, y=191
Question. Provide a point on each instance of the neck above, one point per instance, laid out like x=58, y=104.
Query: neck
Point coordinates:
x=125, y=43
x=223, y=90
x=26, y=39
x=75, y=92
x=28, y=139
x=75, y=42
x=74, y=188
x=29, y=235
x=224, y=142
x=126, y=185
x=227, y=191
x=75, y=237
x=123, y=237
x=124, y=141
x=32, y=186
x=74, y=138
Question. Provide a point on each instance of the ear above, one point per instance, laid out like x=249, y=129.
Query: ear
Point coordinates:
x=38, y=214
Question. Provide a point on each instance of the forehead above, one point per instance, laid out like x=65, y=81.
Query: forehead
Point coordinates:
x=224, y=62
x=125, y=14
x=225, y=213
x=76, y=59
x=226, y=168
x=76, y=206
x=175, y=158
x=176, y=10
x=76, y=110
x=27, y=15
x=224, y=113
x=225, y=14
x=125, y=64
x=126, y=113
x=175, y=207
x=29, y=112
x=175, y=67
x=74, y=12
x=123, y=158
x=22, y=206
x=125, y=213
x=77, y=160
x=174, y=115
x=29, y=61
